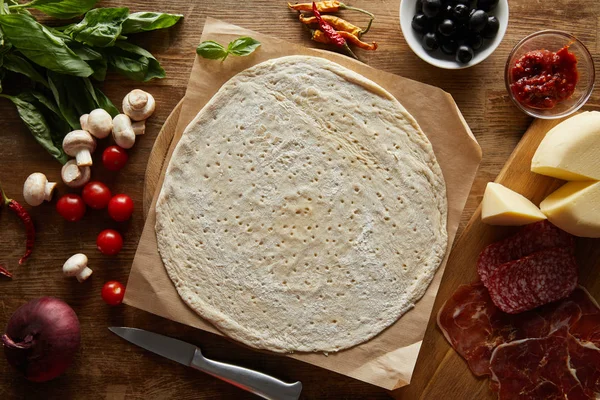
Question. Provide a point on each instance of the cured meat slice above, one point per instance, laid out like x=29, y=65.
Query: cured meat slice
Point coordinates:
x=537, y=368
x=584, y=359
x=534, y=280
x=474, y=326
x=587, y=329
x=530, y=239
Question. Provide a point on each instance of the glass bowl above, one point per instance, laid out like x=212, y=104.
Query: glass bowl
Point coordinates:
x=555, y=40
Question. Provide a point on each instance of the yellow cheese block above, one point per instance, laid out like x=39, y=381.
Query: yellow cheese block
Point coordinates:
x=575, y=208
x=571, y=150
x=502, y=206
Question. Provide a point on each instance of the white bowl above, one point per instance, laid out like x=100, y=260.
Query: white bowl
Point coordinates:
x=408, y=9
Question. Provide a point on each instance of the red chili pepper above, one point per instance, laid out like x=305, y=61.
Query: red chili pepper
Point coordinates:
x=5, y=272
x=26, y=219
x=332, y=35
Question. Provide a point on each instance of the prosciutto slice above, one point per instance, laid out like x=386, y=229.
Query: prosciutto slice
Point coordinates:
x=474, y=326
x=530, y=239
x=538, y=368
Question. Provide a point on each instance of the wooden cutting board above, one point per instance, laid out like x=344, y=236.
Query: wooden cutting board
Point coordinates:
x=440, y=371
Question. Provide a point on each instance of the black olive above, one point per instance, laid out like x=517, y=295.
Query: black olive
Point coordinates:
x=464, y=54
x=432, y=8
x=487, y=5
x=462, y=32
x=477, y=20
x=420, y=23
x=430, y=42
x=491, y=28
x=419, y=6
x=460, y=13
x=447, y=11
x=449, y=46
x=463, y=2
x=447, y=27
x=474, y=41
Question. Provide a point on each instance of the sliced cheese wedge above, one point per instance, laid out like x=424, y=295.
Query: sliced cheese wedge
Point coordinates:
x=575, y=208
x=502, y=206
x=571, y=150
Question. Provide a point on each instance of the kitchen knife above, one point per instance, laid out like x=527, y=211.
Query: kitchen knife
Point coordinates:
x=187, y=354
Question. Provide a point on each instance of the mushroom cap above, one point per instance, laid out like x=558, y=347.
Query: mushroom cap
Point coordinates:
x=75, y=176
x=99, y=123
x=34, y=189
x=78, y=140
x=75, y=264
x=123, y=132
x=83, y=121
x=138, y=105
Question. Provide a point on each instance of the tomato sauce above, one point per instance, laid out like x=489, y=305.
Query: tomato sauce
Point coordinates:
x=543, y=78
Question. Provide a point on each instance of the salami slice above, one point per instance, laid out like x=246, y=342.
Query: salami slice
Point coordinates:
x=530, y=239
x=538, y=368
x=534, y=280
x=474, y=326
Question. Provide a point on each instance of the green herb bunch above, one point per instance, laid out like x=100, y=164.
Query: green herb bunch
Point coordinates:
x=61, y=62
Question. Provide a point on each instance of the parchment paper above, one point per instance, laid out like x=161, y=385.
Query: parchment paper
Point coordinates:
x=388, y=359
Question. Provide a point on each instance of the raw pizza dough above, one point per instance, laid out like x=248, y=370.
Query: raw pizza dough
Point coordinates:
x=303, y=208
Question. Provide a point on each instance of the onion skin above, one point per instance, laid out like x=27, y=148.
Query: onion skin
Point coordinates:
x=42, y=338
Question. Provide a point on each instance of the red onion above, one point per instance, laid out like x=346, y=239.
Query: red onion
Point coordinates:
x=42, y=338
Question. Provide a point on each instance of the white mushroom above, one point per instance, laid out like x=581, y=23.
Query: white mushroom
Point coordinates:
x=138, y=105
x=77, y=266
x=83, y=121
x=123, y=132
x=98, y=123
x=37, y=189
x=73, y=175
x=80, y=144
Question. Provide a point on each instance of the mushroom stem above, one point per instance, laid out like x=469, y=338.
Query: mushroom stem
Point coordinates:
x=84, y=158
x=84, y=274
x=48, y=190
x=139, y=127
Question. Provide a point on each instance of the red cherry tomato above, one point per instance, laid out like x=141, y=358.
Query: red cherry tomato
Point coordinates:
x=71, y=207
x=120, y=207
x=109, y=242
x=96, y=195
x=113, y=293
x=114, y=158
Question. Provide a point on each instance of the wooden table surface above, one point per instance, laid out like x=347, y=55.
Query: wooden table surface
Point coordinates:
x=106, y=366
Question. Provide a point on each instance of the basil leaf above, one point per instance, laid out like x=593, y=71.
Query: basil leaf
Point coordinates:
x=100, y=27
x=42, y=47
x=38, y=126
x=14, y=63
x=211, y=50
x=64, y=9
x=149, y=21
x=63, y=99
x=100, y=67
x=104, y=102
x=58, y=126
x=243, y=46
x=134, y=62
x=84, y=52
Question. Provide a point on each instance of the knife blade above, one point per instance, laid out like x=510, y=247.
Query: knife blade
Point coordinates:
x=189, y=355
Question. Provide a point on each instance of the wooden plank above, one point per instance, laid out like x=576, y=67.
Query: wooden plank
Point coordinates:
x=109, y=368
